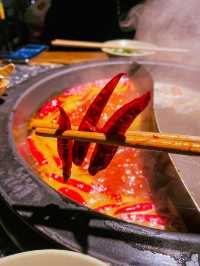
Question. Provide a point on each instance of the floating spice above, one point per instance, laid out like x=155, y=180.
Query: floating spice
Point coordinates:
x=116, y=127
x=148, y=219
x=72, y=194
x=35, y=152
x=64, y=146
x=143, y=206
x=92, y=117
x=49, y=107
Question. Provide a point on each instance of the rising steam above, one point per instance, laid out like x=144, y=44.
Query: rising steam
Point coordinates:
x=171, y=23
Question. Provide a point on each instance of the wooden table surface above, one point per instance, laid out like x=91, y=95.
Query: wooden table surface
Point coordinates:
x=49, y=57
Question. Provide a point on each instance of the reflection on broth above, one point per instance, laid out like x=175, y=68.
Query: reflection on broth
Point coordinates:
x=123, y=189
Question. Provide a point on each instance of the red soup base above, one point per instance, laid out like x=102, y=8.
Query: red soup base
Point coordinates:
x=122, y=190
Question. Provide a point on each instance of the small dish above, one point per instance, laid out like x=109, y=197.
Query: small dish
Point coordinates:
x=50, y=257
x=124, y=51
x=4, y=83
x=5, y=72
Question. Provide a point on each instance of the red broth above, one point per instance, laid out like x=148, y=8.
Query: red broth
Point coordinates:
x=122, y=190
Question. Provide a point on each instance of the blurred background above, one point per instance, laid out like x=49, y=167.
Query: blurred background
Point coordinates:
x=39, y=21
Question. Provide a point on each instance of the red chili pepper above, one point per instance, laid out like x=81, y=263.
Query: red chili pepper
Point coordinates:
x=79, y=184
x=72, y=182
x=49, y=107
x=144, y=206
x=72, y=194
x=92, y=117
x=64, y=146
x=116, y=126
x=56, y=177
x=35, y=152
x=152, y=219
x=57, y=161
x=106, y=207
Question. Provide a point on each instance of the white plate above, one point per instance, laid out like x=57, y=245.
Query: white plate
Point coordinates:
x=124, y=44
x=50, y=258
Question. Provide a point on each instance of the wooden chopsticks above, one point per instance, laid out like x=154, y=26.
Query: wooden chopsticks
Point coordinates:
x=172, y=143
x=85, y=44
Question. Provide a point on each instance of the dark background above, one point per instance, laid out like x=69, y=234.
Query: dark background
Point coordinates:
x=77, y=19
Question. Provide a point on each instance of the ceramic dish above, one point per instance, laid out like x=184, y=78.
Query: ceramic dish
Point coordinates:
x=50, y=257
x=127, y=52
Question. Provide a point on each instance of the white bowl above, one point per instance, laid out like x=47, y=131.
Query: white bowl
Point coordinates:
x=50, y=257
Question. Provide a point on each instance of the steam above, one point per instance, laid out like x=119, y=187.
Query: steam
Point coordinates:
x=171, y=23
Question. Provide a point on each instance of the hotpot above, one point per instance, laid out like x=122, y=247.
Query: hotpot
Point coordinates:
x=65, y=223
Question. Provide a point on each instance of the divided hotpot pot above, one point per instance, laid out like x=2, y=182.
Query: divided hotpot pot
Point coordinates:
x=76, y=227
